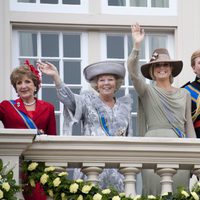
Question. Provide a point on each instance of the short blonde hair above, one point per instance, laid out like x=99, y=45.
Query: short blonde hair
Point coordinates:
x=119, y=82
x=195, y=55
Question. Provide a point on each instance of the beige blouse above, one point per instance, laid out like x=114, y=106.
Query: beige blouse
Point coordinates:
x=160, y=111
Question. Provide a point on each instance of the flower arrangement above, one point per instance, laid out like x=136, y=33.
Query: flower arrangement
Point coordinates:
x=57, y=186
x=8, y=186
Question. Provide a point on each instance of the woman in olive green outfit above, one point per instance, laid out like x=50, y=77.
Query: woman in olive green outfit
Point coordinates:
x=164, y=111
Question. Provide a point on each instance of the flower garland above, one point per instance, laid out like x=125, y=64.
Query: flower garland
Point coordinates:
x=59, y=187
x=8, y=186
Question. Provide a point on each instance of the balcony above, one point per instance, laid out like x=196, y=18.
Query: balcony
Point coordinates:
x=92, y=154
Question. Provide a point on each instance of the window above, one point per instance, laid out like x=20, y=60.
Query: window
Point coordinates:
x=65, y=51
x=54, y=47
x=59, y=6
x=118, y=47
x=140, y=7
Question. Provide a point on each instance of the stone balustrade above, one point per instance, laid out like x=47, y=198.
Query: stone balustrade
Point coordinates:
x=92, y=154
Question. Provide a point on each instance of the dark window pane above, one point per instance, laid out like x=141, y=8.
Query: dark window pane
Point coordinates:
x=160, y=3
x=57, y=124
x=47, y=79
x=50, y=45
x=49, y=1
x=115, y=47
x=120, y=93
x=72, y=72
x=134, y=98
x=27, y=44
x=50, y=95
x=27, y=1
x=116, y=2
x=77, y=128
x=76, y=90
x=73, y=2
x=134, y=126
x=138, y=3
x=71, y=46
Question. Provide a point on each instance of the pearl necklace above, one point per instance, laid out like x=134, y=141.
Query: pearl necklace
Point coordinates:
x=29, y=104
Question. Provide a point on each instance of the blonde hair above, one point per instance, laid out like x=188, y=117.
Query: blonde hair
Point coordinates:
x=195, y=55
x=119, y=82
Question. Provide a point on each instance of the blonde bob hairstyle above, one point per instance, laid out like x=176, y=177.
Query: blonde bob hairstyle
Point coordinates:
x=151, y=72
x=119, y=82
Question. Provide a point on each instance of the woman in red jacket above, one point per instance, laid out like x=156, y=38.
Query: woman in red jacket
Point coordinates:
x=27, y=111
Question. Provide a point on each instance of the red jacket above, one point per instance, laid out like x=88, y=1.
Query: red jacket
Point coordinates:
x=44, y=116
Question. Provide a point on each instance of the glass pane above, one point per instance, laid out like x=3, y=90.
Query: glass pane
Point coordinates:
x=73, y=2
x=134, y=126
x=134, y=98
x=76, y=90
x=27, y=1
x=71, y=46
x=27, y=44
x=120, y=93
x=72, y=72
x=49, y=45
x=116, y=2
x=49, y=1
x=50, y=95
x=160, y=3
x=57, y=124
x=115, y=47
x=77, y=128
x=156, y=41
x=138, y=3
x=47, y=79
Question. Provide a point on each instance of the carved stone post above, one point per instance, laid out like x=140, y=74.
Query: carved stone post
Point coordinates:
x=166, y=172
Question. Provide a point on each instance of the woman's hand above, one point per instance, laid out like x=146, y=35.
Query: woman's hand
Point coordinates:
x=137, y=35
x=49, y=69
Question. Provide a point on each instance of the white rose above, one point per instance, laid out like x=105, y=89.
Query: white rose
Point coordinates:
x=1, y=194
x=195, y=196
x=73, y=188
x=116, y=198
x=86, y=189
x=56, y=182
x=106, y=191
x=97, y=196
x=44, y=178
x=184, y=193
x=49, y=169
x=151, y=197
x=6, y=186
x=80, y=197
x=79, y=180
x=63, y=174
x=50, y=192
x=32, y=183
x=32, y=166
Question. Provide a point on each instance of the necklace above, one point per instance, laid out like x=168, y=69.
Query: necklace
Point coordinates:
x=29, y=104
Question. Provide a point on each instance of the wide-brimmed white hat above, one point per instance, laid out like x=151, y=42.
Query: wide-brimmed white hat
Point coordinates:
x=104, y=67
x=161, y=56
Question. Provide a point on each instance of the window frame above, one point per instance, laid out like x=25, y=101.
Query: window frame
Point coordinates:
x=52, y=8
x=150, y=11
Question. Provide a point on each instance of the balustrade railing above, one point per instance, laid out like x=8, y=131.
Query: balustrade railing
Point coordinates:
x=92, y=154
